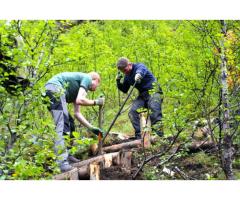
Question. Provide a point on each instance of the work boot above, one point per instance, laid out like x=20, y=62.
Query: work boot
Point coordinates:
x=159, y=133
x=72, y=159
x=158, y=129
x=65, y=166
x=137, y=136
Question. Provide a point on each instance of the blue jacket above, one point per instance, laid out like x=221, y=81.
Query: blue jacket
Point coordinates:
x=144, y=85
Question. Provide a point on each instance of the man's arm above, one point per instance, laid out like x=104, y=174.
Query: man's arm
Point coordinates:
x=80, y=117
x=124, y=87
x=82, y=99
x=142, y=70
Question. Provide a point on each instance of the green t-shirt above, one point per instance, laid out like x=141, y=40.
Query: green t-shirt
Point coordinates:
x=71, y=82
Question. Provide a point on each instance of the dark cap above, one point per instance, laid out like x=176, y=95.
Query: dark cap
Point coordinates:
x=122, y=63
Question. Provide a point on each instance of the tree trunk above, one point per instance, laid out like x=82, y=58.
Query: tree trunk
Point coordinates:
x=227, y=154
x=227, y=149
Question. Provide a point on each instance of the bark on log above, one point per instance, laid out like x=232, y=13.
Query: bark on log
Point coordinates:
x=70, y=175
x=145, y=130
x=126, y=145
x=146, y=139
x=96, y=159
x=126, y=159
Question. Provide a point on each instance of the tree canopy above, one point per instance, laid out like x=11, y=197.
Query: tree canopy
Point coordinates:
x=190, y=59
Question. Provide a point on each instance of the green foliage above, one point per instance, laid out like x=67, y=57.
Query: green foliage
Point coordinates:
x=183, y=55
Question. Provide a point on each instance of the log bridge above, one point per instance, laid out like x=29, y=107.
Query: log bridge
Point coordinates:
x=119, y=155
x=115, y=155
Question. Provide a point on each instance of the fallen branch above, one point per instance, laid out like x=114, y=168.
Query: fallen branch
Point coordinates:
x=158, y=155
x=201, y=145
x=182, y=174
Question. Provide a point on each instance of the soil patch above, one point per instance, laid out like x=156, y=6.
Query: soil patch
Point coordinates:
x=116, y=173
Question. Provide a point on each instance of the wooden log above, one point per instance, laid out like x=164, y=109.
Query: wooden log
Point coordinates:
x=84, y=173
x=126, y=159
x=201, y=145
x=129, y=145
x=94, y=171
x=108, y=161
x=142, y=121
x=126, y=145
x=145, y=130
x=146, y=139
x=94, y=149
x=70, y=175
x=100, y=124
x=96, y=159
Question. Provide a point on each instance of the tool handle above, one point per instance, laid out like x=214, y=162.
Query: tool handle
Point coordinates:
x=114, y=120
x=99, y=136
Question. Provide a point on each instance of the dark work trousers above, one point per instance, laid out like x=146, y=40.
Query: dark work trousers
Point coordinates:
x=63, y=122
x=153, y=103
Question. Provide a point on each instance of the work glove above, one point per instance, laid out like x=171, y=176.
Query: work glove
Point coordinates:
x=100, y=101
x=96, y=131
x=138, y=78
x=119, y=76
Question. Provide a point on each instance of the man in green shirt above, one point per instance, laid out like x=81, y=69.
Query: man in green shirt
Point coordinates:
x=70, y=87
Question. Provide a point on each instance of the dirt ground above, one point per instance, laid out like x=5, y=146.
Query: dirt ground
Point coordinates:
x=196, y=166
x=202, y=165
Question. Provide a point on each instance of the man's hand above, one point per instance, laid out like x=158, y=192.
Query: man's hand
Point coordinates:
x=96, y=131
x=100, y=101
x=138, y=78
x=119, y=76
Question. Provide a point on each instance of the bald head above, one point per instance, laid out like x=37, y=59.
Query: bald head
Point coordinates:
x=95, y=80
x=94, y=75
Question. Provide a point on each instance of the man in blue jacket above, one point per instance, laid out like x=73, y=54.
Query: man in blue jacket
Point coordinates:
x=138, y=72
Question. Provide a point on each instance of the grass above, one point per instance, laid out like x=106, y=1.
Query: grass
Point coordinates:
x=121, y=125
